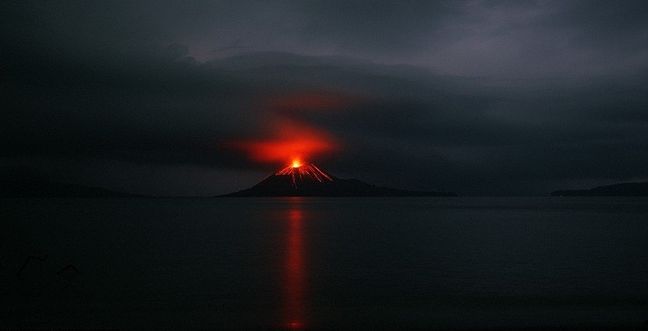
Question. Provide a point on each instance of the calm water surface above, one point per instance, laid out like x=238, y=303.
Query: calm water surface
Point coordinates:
x=321, y=263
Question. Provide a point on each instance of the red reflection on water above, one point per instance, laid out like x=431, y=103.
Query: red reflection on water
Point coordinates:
x=294, y=272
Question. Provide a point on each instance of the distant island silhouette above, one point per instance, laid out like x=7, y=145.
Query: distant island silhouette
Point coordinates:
x=24, y=183
x=50, y=189
x=621, y=190
x=310, y=180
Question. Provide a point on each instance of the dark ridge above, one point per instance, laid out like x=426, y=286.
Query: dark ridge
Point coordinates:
x=49, y=189
x=620, y=190
x=20, y=182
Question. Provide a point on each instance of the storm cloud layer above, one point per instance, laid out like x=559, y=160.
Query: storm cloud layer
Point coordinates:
x=479, y=97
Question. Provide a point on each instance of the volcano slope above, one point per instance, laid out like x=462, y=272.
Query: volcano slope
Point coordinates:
x=310, y=180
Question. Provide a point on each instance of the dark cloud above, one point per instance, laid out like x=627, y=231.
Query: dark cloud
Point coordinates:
x=500, y=97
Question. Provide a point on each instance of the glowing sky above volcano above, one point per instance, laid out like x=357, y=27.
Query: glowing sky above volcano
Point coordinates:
x=286, y=138
x=290, y=142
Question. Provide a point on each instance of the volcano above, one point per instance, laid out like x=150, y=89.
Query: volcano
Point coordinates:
x=309, y=180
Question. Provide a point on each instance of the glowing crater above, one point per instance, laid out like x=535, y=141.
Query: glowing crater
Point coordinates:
x=300, y=173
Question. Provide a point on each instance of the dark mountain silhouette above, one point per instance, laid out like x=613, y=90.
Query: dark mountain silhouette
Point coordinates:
x=309, y=180
x=623, y=189
x=23, y=183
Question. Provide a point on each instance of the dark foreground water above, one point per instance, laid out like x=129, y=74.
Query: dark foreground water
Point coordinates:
x=323, y=263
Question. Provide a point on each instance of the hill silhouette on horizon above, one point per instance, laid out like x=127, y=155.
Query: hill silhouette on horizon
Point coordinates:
x=621, y=189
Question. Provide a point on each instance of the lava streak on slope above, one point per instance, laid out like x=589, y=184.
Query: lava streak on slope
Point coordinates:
x=308, y=172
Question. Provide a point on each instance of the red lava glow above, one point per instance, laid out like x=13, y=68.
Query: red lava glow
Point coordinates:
x=285, y=138
x=294, y=278
x=291, y=142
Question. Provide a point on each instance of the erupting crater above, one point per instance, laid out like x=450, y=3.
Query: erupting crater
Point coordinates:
x=301, y=173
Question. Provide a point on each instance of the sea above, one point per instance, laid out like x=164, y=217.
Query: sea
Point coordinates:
x=465, y=263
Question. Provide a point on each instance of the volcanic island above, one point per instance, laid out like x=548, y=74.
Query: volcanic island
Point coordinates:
x=307, y=179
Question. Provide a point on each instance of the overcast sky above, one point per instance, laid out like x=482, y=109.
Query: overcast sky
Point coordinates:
x=477, y=97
